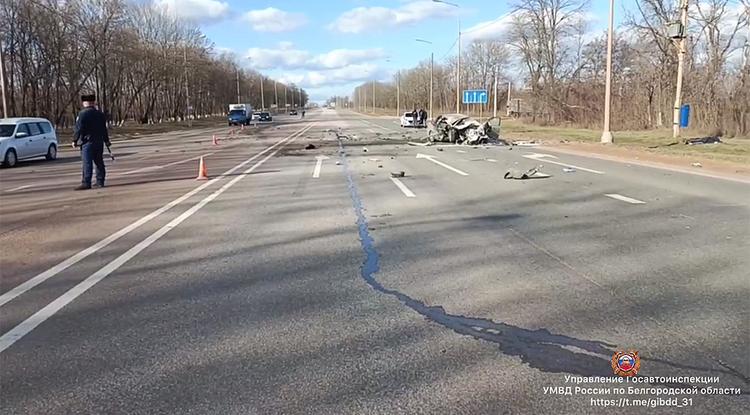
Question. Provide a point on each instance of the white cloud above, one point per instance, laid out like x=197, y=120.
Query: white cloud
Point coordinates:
x=202, y=11
x=335, y=77
x=287, y=57
x=274, y=20
x=489, y=30
x=363, y=19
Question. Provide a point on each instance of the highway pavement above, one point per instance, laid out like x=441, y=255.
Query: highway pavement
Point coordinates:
x=303, y=278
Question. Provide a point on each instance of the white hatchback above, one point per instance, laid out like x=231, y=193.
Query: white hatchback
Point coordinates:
x=25, y=138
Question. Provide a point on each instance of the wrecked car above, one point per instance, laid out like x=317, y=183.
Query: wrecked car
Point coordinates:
x=462, y=129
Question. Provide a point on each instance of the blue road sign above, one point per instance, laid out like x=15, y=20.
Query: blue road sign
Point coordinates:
x=475, y=96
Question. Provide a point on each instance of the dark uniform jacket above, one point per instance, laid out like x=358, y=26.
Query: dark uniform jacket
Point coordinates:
x=91, y=127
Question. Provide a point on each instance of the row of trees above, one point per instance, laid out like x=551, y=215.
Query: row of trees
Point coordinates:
x=143, y=63
x=558, y=70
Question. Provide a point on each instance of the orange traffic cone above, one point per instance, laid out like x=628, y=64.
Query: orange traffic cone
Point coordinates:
x=215, y=141
x=202, y=171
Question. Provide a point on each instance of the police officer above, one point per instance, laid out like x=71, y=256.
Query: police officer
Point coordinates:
x=91, y=136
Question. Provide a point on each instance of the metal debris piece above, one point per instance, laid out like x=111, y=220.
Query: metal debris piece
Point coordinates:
x=338, y=163
x=696, y=164
x=398, y=174
x=703, y=140
x=380, y=166
x=462, y=129
x=364, y=149
x=310, y=146
x=532, y=173
x=526, y=143
x=569, y=170
x=374, y=159
x=440, y=149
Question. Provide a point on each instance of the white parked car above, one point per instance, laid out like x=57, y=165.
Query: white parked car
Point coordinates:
x=407, y=120
x=25, y=138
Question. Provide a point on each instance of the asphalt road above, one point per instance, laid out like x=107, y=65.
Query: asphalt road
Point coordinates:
x=308, y=281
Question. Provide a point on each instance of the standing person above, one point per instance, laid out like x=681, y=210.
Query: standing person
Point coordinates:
x=423, y=117
x=91, y=136
x=414, y=117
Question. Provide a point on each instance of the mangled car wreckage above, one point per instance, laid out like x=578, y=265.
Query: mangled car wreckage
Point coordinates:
x=462, y=129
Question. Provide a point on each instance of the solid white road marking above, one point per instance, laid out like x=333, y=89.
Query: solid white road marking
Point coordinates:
x=460, y=151
x=19, y=188
x=403, y=187
x=151, y=168
x=17, y=332
x=536, y=157
x=625, y=198
x=44, y=276
x=318, y=165
x=440, y=163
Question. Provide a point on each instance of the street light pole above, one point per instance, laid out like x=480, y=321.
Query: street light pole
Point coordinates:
x=458, y=62
x=2, y=81
x=606, y=133
x=681, y=51
x=373, y=96
x=507, y=104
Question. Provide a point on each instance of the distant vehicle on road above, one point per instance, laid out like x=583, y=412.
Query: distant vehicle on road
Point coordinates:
x=239, y=114
x=25, y=138
x=408, y=120
x=256, y=116
x=265, y=116
x=293, y=112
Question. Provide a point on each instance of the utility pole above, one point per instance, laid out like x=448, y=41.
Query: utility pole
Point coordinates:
x=398, y=94
x=373, y=96
x=432, y=64
x=606, y=133
x=238, y=86
x=286, y=102
x=301, y=104
x=262, y=95
x=275, y=95
x=681, y=51
x=507, y=104
x=2, y=81
x=494, y=97
x=187, y=89
x=458, y=72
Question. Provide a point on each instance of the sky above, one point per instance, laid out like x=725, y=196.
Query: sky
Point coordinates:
x=329, y=46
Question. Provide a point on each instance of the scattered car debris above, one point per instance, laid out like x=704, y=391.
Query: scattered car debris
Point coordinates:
x=412, y=143
x=703, y=140
x=380, y=166
x=526, y=143
x=338, y=163
x=462, y=129
x=440, y=149
x=398, y=174
x=569, y=170
x=374, y=159
x=364, y=149
x=310, y=147
x=696, y=164
x=532, y=173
